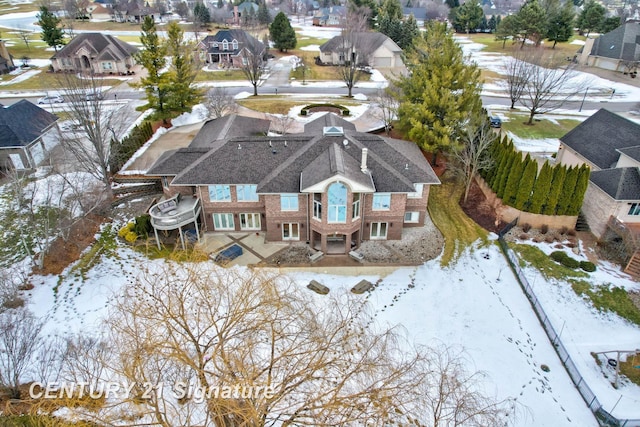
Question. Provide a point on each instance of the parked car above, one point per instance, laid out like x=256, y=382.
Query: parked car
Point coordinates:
x=93, y=95
x=495, y=122
x=51, y=99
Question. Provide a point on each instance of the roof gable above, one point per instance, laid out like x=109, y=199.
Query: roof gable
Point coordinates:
x=598, y=138
x=334, y=163
x=97, y=44
x=622, y=184
x=364, y=41
x=620, y=43
x=22, y=123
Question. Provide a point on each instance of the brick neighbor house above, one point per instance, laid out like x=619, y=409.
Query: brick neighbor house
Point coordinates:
x=330, y=186
x=228, y=47
x=95, y=53
x=610, y=145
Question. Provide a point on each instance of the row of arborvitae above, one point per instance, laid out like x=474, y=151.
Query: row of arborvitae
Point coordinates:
x=553, y=190
x=122, y=151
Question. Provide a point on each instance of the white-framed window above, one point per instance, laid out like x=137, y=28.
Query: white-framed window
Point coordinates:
x=223, y=221
x=317, y=206
x=219, y=193
x=250, y=221
x=337, y=206
x=290, y=231
x=245, y=61
x=411, y=216
x=378, y=230
x=214, y=44
x=418, y=193
x=235, y=45
x=225, y=45
x=289, y=202
x=381, y=202
x=246, y=193
x=355, y=206
x=107, y=66
x=634, y=209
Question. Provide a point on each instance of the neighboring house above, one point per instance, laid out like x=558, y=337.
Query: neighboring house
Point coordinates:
x=242, y=12
x=6, y=59
x=95, y=53
x=610, y=145
x=228, y=47
x=420, y=13
x=617, y=50
x=329, y=16
x=330, y=186
x=22, y=126
x=372, y=48
x=98, y=12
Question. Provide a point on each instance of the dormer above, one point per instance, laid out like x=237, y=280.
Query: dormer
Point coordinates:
x=235, y=44
x=225, y=45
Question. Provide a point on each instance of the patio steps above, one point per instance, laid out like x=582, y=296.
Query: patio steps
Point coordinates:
x=633, y=267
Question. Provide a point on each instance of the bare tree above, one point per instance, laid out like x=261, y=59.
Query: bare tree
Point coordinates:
x=549, y=85
x=94, y=124
x=385, y=102
x=354, y=48
x=200, y=328
x=473, y=154
x=19, y=342
x=252, y=57
x=9, y=290
x=282, y=122
x=25, y=36
x=517, y=70
x=220, y=103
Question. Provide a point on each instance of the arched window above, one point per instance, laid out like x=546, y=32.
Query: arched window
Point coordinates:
x=337, y=195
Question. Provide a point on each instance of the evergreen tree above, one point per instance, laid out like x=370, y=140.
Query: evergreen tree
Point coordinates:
x=467, y=17
x=390, y=27
x=201, y=14
x=452, y=3
x=282, y=34
x=264, y=17
x=541, y=189
x=579, y=192
x=560, y=23
x=492, y=24
x=391, y=9
x=409, y=32
x=527, y=182
x=568, y=189
x=52, y=34
x=183, y=95
x=559, y=173
x=153, y=58
x=440, y=92
x=532, y=20
x=592, y=17
x=371, y=5
x=610, y=24
x=513, y=180
x=507, y=28
x=512, y=158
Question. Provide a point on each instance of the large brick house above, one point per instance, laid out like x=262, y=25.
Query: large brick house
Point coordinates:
x=330, y=186
x=230, y=47
x=95, y=53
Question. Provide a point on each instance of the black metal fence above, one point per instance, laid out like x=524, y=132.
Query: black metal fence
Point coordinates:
x=604, y=417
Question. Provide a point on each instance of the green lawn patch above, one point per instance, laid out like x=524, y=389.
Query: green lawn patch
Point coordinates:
x=531, y=255
x=458, y=229
x=561, y=50
x=45, y=81
x=307, y=41
x=222, y=75
x=608, y=298
x=541, y=129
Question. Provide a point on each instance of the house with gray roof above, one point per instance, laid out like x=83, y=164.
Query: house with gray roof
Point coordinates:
x=617, y=50
x=331, y=16
x=371, y=48
x=95, y=53
x=229, y=47
x=22, y=126
x=610, y=145
x=330, y=185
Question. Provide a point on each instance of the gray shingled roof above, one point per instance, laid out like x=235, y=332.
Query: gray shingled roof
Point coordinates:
x=366, y=41
x=325, y=120
x=334, y=161
x=99, y=44
x=278, y=169
x=231, y=126
x=598, y=138
x=633, y=152
x=621, y=43
x=22, y=123
x=620, y=183
x=173, y=162
x=243, y=38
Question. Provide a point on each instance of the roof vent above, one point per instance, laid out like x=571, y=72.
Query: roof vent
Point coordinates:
x=239, y=147
x=285, y=143
x=345, y=142
x=406, y=166
x=273, y=151
x=270, y=144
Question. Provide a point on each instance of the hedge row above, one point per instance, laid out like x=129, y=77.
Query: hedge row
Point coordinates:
x=122, y=151
x=305, y=110
x=552, y=190
x=564, y=259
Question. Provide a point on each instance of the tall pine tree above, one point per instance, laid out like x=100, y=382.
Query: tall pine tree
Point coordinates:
x=153, y=58
x=568, y=189
x=282, y=34
x=579, y=192
x=441, y=91
x=52, y=34
x=501, y=180
x=183, y=95
x=515, y=175
x=541, y=189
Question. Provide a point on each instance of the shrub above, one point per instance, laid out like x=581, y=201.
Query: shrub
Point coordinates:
x=549, y=239
x=570, y=262
x=124, y=230
x=571, y=232
x=131, y=236
x=526, y=227
x=564, y=230
x=523, y=236
x=544, y=229
x=142, y=225
x=588, y=266
x=558, y=256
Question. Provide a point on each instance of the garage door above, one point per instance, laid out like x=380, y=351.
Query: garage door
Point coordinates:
x=382, y=61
